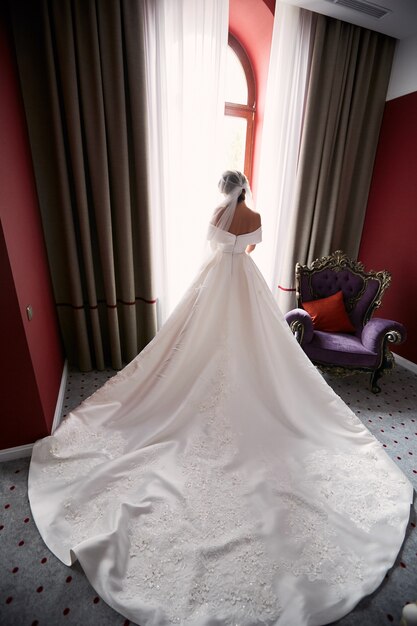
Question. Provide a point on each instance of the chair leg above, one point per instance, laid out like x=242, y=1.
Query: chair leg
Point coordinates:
x=375, y=376
x=387, y=364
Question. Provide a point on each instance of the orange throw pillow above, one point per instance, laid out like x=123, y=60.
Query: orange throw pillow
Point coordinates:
x=329, y=314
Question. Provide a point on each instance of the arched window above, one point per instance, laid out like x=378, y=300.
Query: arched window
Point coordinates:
x=239, y=109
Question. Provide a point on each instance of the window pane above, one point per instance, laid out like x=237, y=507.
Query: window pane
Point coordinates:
x=234, y=143
x=236, y=86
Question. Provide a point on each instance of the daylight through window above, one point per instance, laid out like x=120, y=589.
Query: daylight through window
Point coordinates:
x=239, y=109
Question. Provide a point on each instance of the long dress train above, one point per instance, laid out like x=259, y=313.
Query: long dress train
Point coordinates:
x=218, y=479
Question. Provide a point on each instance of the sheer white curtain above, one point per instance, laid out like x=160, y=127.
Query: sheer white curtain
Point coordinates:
x=282, y=128
x=186, y=47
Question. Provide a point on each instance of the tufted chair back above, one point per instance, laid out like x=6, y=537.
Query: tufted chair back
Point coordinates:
x=362, y=290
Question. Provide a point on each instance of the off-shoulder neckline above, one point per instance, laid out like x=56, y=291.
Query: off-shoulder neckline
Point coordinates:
x=252, y=232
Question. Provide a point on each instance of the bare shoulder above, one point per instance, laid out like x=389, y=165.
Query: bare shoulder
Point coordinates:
x=255, y=219
x=244, y=221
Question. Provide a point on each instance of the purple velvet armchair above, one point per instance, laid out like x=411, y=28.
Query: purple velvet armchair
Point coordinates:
x=366, y=347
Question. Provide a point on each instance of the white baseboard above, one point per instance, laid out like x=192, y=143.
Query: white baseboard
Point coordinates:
x=10, y=454
x=60, y=400
x=409, y=365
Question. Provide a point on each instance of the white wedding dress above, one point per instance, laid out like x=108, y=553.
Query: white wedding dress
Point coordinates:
x=218, y=480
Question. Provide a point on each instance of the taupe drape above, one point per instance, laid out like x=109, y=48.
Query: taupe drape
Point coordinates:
x=83, y=84
x=348, y=81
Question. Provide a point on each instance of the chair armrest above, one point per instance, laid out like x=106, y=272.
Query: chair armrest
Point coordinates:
x=301, y=325
x=377, y=329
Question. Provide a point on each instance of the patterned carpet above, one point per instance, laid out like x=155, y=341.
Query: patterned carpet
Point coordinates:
x=38, y=590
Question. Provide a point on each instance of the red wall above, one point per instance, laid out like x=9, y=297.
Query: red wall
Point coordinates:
x=32, y=359
x=252, y=22
x=20, y=399
x=390, y=228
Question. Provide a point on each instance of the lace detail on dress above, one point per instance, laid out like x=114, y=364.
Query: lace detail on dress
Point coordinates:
x=311, y=545
x=320, y=558
x=211, y=560
x=357, y=486
x=72, y=439
x=105, y=504
x=76, y=449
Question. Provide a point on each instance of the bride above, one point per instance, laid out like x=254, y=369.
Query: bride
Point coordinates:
x=217, y=479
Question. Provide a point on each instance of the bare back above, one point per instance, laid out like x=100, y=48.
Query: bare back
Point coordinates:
x=244, y=220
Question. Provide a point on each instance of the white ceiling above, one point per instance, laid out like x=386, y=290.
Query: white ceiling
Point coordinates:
x=400, y=22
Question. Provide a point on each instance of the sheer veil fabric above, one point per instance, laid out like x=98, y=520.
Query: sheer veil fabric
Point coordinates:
x=217, y=479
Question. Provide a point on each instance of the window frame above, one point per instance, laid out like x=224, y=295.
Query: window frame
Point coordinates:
x=245, y=111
